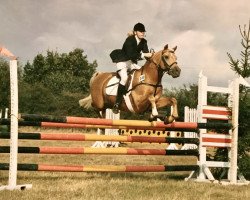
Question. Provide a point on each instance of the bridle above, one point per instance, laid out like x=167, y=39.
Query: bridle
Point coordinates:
x=168, y=69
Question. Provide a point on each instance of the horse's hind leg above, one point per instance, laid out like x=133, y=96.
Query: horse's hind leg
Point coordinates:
x=168, y=101
x=100, y=131
x=101, y=114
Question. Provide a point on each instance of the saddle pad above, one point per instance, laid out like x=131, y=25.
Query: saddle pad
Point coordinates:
x=112, y=86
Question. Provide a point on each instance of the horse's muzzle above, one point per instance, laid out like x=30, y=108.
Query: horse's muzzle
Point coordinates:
x=175, y=71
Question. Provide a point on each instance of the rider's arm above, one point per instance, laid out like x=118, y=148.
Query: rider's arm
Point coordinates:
x=145, y=50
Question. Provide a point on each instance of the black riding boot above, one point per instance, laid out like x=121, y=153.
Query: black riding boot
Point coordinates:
x=121, y=91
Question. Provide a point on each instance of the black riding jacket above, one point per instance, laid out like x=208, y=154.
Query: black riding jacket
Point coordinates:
x=130, y=50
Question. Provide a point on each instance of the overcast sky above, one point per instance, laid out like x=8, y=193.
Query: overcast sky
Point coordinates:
x=203, y=30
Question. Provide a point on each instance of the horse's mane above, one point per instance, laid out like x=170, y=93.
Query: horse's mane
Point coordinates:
x=156, y=58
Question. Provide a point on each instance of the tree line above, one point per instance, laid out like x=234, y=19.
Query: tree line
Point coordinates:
x=51, y=83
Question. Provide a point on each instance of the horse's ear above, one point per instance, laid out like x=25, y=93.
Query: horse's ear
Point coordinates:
x=166, y=47
x=175, y=48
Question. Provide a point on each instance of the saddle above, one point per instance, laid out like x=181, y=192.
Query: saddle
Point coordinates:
x=112, y=86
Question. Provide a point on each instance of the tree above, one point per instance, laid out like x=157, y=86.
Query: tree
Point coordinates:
x=242, y=67
x=61, y=72
x=54, y=83
x=4, y=84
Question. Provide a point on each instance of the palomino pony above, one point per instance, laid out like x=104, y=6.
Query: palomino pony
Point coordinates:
x=146, y=88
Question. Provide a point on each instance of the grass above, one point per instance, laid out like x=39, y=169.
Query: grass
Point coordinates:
x=139, y=186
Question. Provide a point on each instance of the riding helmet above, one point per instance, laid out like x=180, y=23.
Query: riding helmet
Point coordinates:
x=139, y=27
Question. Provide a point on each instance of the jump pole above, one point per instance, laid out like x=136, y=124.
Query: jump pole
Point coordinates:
x=100, y=168
x=125, y=123
x=94, y=137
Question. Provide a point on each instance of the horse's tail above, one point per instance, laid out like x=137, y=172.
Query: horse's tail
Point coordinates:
x=93, y=77
x=86, y=102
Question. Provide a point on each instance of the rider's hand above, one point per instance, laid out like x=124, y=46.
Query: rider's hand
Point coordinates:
x=147, y=55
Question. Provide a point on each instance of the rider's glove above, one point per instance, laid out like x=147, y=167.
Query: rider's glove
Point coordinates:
x=147, y=55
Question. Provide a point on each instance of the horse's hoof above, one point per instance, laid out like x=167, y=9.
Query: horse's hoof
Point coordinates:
x=160, y=118
x=156, y=118
x=115, y=109
x=151, y=118
x=166, y=121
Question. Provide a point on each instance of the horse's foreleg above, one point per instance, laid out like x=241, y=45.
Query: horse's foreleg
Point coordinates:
x=154, y=113
x=168, y=101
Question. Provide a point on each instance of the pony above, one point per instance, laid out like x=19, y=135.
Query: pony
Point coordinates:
x=144, y=91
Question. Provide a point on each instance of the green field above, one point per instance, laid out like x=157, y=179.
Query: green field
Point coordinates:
x=76, y=185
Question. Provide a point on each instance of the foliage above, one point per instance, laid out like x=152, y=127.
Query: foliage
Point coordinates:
x=244, y=135
x=36, y=99
x=61, y=72
x=242, y=67
x=4, y=84
x=53, y=84
x=39, y=99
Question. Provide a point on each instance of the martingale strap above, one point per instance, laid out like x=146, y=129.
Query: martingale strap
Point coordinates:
x=157, y=85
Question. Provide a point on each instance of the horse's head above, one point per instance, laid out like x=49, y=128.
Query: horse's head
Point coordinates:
x=167, y=61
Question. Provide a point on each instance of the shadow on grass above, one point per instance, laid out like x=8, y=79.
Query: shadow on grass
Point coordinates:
x=53, y=176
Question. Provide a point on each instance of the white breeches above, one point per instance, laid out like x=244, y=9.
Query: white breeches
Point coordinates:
x=124, y=67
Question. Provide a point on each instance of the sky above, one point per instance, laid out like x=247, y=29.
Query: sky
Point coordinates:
x=203, y=30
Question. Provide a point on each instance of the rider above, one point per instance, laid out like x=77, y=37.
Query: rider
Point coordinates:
x=134, y=48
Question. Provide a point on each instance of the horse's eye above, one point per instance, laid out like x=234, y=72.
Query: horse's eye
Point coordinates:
x=166, y=57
